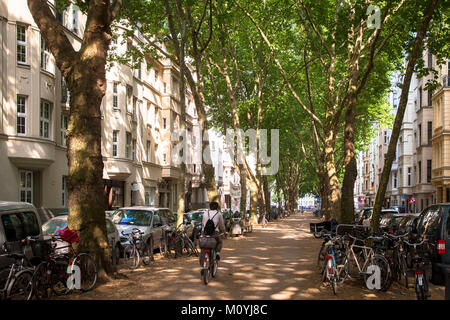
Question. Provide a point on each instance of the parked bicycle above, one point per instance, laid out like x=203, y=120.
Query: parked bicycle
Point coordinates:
x=335, y=269
x=419, y=263
x=167, y=243
x=137, y=250
x=15, y=280
x=183, y=243
x=61, y=273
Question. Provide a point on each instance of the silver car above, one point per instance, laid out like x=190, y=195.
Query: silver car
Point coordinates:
x=60, y=221
x=150, y=220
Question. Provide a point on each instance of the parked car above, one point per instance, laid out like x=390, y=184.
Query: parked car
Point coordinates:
x=18, y=220
x=433, y=225
x=406, y=224
x=60, y=222
x=150, y=220
x=390, y=222
x=367, y=214
x=400, y=209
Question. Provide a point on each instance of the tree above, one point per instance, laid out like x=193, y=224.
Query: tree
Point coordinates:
x=84, y=73
x=413, y=56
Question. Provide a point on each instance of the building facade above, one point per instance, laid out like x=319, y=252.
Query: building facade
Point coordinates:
x=140, y=110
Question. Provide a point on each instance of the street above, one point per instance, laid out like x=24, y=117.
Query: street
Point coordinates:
x=277, y=262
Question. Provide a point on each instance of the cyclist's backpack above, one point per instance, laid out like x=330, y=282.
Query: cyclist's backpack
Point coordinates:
x=210, y=228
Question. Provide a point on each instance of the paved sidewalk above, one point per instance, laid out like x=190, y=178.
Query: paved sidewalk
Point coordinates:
x=276, y=262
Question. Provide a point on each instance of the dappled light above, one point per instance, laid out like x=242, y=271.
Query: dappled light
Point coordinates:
x=276, y=263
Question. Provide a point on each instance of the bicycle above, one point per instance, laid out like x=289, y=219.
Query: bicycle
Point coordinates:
x=398, y=259
x=208, y=252
x=335, y=269
x=418, y=267
x=167, y=243
x=183, y=243
x=61, y=273
x=16, y=279
x=365, y=262
x=137, y=250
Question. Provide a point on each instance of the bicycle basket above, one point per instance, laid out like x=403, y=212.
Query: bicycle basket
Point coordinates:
x=68, y=235
x=41, y=248
x=207, y=242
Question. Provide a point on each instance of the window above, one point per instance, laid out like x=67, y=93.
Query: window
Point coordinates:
x=115, y=97
x=148, y=151
x=21, y=44
x=129, y=98
x=420, y=134
x=115, y=142
x=430, y=98
x=430, y=60
x=165, y=158
x=65, y=93
x=174, y=87
x=64, y=191
x=154, y=154
x=25, y=186
x=164, y=123
x=430, y=131
x=64, y=125
x=45, y=55
x=420, y=171
x=44, y=127
x=20, y=225
x=21, y=115
x=165, y=86
x=156, y=77
x=395, y=181
x=385, y=137
x=409, y=176
x=428, y=171
x=133, y=152
x=128, y=145
x=74, y=20
x=133, y=112
x=150, y=196
x=420, y=97
x=195, y=168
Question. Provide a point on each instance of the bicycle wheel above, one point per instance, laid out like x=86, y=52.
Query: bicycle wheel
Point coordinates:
x=404, y=269
x=385, y=275
x=420, y=290
x=59, y=277
x=205, y=270
x=191, y=247
x=145, y=253
x=41, y=286
x=20, y=286
x=214, y=268
x=321, y=258
x=87, y=272
x=131, y=256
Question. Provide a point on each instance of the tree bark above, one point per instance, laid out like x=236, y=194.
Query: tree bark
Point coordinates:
x=413, y=56
x=85, y=75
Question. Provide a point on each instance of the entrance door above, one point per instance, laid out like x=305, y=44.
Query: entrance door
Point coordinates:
x=26, y=186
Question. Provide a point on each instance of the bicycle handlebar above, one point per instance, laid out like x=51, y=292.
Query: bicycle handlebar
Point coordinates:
x=416, y=244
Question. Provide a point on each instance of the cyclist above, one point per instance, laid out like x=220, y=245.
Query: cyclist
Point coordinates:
x=219, y=225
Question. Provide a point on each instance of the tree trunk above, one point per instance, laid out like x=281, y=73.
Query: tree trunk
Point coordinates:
x=416, y=51
x=351, y=172
x=335, y=193
x=84, y=72
x=254, y=192
x=243, y=180
x=266, y=194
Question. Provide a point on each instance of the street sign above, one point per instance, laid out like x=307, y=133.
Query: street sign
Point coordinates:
x=412, y=200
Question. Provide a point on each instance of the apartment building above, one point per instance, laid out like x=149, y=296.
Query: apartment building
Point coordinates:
x=423, y=190
x=441, y=135
x=140, y=110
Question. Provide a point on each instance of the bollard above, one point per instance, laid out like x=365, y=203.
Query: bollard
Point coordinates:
x=447, y=283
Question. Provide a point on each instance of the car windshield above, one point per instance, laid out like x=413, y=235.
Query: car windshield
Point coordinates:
x=53, y=225
x=430, y=221
x=133, y=217
x=198, y=215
